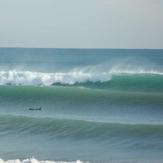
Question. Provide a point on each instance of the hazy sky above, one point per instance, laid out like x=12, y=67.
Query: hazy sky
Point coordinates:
x=81, y=23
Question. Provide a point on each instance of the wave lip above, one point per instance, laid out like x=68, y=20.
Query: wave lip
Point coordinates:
x=139, y=71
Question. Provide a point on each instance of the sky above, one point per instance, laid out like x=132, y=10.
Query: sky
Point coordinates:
x=81, y=23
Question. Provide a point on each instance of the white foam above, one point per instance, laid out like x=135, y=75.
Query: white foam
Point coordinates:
x=38, y=78
x=33, y=160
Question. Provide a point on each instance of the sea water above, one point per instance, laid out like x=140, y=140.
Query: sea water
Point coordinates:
x=97, y=105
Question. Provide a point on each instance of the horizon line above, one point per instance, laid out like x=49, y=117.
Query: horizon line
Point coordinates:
x=20, y=47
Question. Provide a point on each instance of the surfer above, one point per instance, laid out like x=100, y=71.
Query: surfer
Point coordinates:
x=32, y=109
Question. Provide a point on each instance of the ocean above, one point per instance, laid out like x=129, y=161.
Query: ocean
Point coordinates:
x=81, y=105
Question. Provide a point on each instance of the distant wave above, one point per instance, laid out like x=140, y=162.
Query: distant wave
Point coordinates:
x=33, y=160
x=13, y=77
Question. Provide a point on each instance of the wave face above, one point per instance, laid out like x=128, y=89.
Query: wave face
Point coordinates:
x=96, y=105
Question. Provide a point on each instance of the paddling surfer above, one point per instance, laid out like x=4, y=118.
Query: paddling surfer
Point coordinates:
x=32, y=109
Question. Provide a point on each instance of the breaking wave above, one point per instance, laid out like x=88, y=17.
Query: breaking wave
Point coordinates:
x=13, y=77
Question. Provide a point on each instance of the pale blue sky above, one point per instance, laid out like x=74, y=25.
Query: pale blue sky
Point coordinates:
x=81, y=23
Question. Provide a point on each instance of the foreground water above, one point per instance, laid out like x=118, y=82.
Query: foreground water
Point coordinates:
x=96, y=105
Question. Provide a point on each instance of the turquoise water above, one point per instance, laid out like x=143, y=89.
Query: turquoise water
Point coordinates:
x=97, y=105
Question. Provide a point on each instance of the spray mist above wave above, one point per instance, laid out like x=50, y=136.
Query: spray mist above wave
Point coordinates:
x=14, y=77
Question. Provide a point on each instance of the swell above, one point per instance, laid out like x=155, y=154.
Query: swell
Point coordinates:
x=119, y=80
x=77, y=129
x=75, y=94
